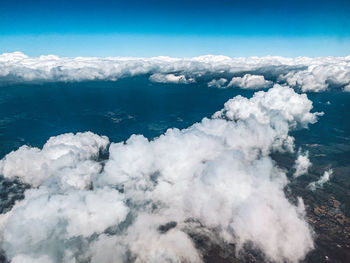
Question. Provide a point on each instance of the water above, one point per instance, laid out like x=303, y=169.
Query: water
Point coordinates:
x=30, y=114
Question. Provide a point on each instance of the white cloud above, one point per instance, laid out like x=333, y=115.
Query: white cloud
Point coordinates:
x=217, y=172
x=217, y=83
x=263, y=104
x=170, y=78
x=249, y=81
x=347, y=88
x=28, y=259
x=70, y=156
x=310, y=74
x=320, y=182
x=302, y=164
x=320, y=73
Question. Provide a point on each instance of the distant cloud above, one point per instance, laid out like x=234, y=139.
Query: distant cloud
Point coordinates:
x=347, y=88
x=216, y=178
x=217, y=83
x=307, y=74
x=170, y=78
x=320, y=74
x=249, y=81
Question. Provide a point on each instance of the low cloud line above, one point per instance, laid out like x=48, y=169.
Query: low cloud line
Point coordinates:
x=304, y=73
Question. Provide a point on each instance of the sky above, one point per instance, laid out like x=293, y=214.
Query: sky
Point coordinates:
x=175, y=28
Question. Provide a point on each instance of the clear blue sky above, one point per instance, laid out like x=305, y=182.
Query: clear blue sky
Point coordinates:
x=175, y=28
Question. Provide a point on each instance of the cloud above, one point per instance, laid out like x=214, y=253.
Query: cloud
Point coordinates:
x=302, y=164
x=308, y=74
x=67, y=157
x=262, y=107
x=320, y=182
x=249, y=81
x=217, y=83
x=347, y=88
x=27, y=259
x=170, y=78
x=142, y=203
x=320, y=74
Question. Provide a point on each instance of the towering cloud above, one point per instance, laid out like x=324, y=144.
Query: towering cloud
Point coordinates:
x=145, y=200
x=307, y=74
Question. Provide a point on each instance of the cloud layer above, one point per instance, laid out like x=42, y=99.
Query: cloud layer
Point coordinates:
x=143, y=202
x=308, y=74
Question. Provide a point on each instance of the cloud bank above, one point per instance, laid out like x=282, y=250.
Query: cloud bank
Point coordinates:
x=142, y=203
x=307, y=74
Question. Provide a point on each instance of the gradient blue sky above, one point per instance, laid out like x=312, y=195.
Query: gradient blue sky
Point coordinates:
x=175, y=28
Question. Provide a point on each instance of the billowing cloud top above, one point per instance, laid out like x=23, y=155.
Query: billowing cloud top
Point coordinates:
x=308, y=74
x=215, y=178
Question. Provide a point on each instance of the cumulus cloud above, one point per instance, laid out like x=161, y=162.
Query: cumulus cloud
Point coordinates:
x=141, y=203
x=67, y=157
x=262, y=107
x=249, y=81
x=308, y=74
x=320, y=182
x=170, y=78
x=217, y=83
x=302, y=164
x=320, y=73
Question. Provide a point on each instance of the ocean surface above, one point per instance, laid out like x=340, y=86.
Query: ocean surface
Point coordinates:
x=30, y=114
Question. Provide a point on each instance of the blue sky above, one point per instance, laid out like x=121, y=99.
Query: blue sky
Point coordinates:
x=175, y=28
